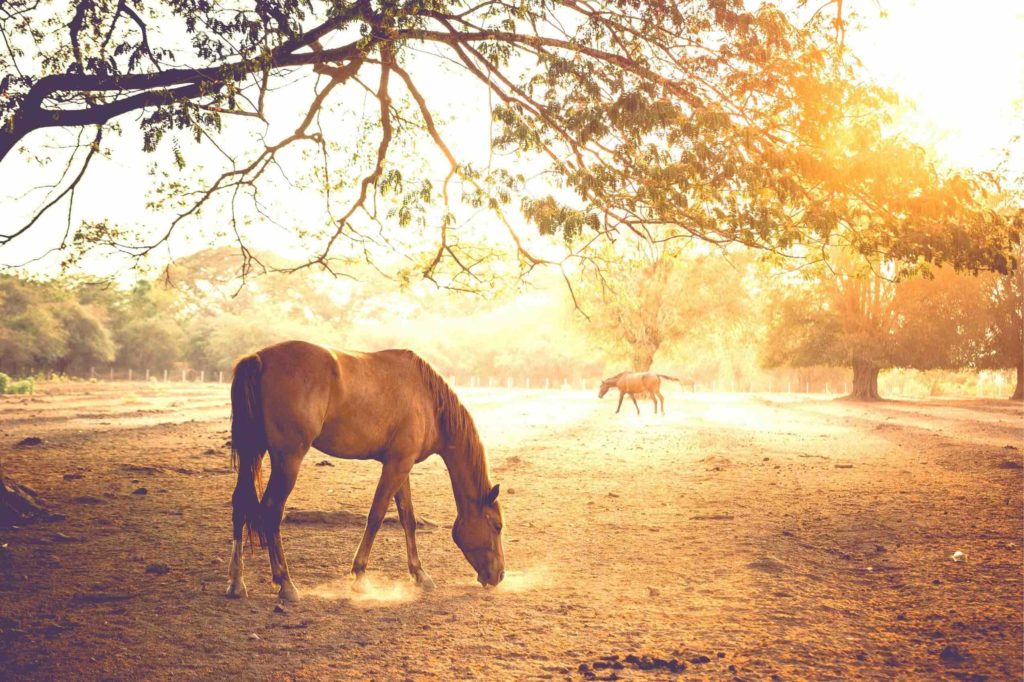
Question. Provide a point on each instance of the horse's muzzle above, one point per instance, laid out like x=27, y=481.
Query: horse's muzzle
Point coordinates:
x=490, y=579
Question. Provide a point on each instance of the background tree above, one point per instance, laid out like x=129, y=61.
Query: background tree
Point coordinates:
x=1003, y=345
x=146, y=327
x=89, y=342
x=853, y=316
x=837, y=317
x=153, y=343
x=647, y=300
x=31, y=334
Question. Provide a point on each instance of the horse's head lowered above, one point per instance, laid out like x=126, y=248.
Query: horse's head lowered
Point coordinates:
x=477, y=532
x=606, y=386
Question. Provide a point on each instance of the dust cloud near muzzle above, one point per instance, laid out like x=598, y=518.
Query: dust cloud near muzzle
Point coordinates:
x=490, y=568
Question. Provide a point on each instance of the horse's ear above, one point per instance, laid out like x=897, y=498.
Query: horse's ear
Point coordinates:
x=490, y=497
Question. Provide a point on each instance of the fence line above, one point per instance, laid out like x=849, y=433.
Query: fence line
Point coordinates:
x=993, y=387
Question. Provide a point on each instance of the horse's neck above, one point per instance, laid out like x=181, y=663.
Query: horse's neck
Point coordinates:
x=468, y=472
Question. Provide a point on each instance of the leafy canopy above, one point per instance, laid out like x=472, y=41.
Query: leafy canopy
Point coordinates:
x=667, y=119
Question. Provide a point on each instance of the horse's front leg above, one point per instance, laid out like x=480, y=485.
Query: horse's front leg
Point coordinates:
x=391, y=478
x=403, y=500
x=632, y=397
x=621, y=397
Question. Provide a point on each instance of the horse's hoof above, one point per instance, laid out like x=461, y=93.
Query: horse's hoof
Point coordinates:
x=236, y=590
x=359, y=583
x=425, y=582
x=288, y=593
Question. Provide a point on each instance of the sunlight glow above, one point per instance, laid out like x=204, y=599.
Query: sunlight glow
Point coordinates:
x=960, y=65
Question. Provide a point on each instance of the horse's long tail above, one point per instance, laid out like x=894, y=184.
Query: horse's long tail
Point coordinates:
x=682, y=382
x=248, y=443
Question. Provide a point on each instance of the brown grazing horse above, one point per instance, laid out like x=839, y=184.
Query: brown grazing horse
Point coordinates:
x=390, y=406
x=632, y=383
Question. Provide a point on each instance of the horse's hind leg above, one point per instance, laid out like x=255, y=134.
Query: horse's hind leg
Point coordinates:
x=284, y=471
x=403, y=500
x=236, y=585
x=662, y=399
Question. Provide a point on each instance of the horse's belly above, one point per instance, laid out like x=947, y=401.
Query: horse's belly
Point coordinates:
x=351, y=441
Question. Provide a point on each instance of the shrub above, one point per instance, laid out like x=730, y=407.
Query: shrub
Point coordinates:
x=22, y=387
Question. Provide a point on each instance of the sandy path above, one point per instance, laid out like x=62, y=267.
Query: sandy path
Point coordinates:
x=796, y=538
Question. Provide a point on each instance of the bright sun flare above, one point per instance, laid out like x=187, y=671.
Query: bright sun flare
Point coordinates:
x=961, y=64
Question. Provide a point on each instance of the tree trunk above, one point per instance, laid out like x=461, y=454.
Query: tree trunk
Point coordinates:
x=18, y=503
x=643, y=358
x=1018, y=392
x=865, y=380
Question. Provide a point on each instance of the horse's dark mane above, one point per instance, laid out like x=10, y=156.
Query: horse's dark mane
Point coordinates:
x=613, y=378
x=456, y=424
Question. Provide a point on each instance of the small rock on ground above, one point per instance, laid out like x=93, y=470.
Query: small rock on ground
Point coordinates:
x=953, y=655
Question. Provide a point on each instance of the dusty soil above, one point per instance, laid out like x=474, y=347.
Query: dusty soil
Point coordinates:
x=740, y=537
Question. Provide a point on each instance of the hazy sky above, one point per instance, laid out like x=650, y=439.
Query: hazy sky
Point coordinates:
x=962, y=64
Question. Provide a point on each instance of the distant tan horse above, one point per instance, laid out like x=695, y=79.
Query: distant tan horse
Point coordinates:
x=633, y=383
x=389, y=406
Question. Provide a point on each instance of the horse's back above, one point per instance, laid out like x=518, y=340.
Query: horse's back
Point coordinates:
x=379, y=403
x=348, y=404
x=639, y=382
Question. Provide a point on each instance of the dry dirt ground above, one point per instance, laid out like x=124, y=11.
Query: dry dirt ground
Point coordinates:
x=757, y=537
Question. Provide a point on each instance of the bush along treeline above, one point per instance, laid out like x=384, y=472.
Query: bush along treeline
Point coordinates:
x=10, y=387
x=199, y=317
x=72, y=327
